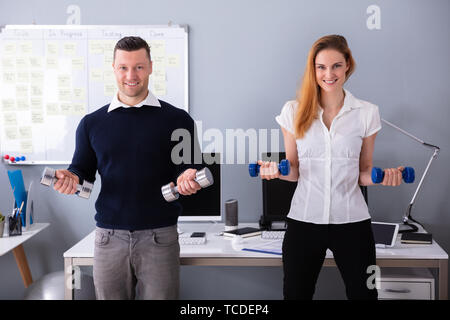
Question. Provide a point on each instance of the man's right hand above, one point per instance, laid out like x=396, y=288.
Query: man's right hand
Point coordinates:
x=66, y=182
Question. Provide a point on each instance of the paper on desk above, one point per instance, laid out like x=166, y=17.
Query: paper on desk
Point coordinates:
x=266, y=246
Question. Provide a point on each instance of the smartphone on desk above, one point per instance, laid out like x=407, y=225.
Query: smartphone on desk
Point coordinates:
x=198, y=234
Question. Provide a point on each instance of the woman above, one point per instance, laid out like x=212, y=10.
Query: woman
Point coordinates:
x=329, y=138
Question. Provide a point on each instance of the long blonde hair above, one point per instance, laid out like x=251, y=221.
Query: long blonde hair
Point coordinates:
x=309, y=93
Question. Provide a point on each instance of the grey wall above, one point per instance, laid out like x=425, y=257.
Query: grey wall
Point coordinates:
x=246, y=59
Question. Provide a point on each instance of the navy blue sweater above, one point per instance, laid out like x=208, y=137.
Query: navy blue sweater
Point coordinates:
x=131, y=149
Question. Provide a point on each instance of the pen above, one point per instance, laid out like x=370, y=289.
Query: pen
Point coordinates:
x=20, y=210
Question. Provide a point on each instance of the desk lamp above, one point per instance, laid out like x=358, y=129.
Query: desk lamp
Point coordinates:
x=407, y=217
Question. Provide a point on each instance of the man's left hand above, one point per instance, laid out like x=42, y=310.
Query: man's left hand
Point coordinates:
x=186, y=183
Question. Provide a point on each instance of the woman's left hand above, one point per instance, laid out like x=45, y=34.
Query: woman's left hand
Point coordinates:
x=392, y=176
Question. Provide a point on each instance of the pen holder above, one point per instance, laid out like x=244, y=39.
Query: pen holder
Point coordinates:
x=15, y=226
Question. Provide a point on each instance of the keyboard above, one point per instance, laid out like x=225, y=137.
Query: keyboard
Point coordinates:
x=272, y=235
x=190, y=240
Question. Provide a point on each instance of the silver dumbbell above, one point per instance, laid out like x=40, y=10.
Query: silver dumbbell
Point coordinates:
x=203, y=177
x=49, y=177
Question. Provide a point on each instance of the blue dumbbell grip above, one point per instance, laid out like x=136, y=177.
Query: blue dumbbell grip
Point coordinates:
x=253, y=169
x=284, y=167
x=408, y=175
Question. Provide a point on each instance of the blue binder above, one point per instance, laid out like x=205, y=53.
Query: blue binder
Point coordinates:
x=20, y=194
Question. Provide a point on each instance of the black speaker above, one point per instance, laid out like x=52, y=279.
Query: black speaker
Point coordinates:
x=231, y=214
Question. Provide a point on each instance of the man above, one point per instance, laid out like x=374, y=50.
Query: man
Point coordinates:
x=128, y=141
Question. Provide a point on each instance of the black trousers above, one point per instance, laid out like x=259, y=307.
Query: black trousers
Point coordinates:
x=304, y=249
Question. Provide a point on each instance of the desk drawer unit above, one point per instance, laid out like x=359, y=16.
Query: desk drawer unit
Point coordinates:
x=407, y=284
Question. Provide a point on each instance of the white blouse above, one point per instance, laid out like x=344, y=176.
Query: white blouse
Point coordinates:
x=328, y=191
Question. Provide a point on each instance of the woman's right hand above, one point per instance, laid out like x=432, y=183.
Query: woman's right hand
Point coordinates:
x=66, y=182
x=268, y=170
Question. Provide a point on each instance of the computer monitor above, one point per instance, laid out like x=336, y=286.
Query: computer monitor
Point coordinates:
x=277, y=194
x=205, y=205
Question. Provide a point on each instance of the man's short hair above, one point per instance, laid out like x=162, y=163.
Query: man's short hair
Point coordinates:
x=132, y=44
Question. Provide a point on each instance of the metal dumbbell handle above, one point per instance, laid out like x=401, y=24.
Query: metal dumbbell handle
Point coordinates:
x=408, y=175
x=49, y=177
x=203, y=177
x=284, y=167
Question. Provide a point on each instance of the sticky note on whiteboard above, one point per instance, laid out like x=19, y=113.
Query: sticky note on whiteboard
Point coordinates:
x=26, y=146
x=173, y=60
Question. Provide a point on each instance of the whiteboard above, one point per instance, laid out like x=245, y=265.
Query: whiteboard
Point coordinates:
x=53, y=75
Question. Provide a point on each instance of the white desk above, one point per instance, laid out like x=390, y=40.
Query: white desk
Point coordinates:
x=14, y=243
x=219, y=251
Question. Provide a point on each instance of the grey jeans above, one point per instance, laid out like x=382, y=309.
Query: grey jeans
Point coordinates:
x=143, y=264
